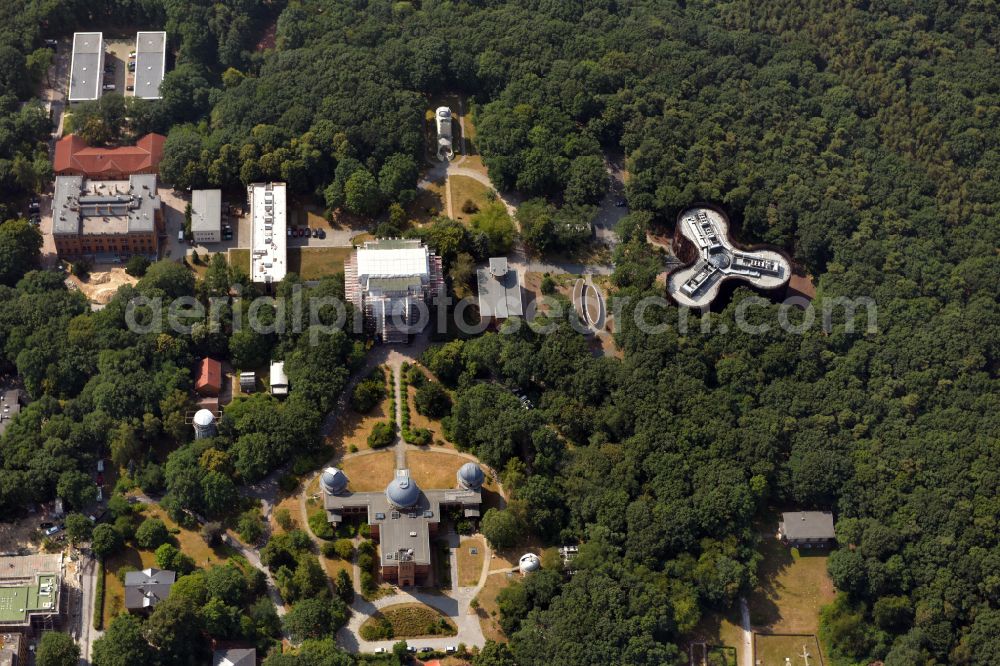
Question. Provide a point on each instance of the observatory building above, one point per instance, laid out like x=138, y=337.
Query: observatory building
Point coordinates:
x=529, y=562
x=499, y=290
x=715, y=259
x=204, y=424
x=404, y=518
x=442, y=119
x=389, y=280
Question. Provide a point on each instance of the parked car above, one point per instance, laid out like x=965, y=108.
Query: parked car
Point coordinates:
x=110, y=86
x=129, y=87
x=100, y=465
x=34, y=206
x=51, y=42
x=52, y=530
x=45, y=525
x=620, y=203
x=450, y=649
x=426, y=649
x=315, y=233
x=322, y=234
x=131, y=66
x=380, y=650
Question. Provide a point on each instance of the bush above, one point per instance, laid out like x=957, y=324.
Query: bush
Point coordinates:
x=419, y=437
x=288, y=483
x=383, y=434
x=284, y=518
x=377, y=630
x=367, y=582
x=365, y=561
x=250, y=527
x=151, y=478
x=469, y=207
x=212, y=533
x=151, y=534
x=329, y=550
x=432, y=400
x=99, y=597
x=169, y=556
x=548, y=285
x=367, y=394
x=344, y=549
x=320, y=526
x=137, y=265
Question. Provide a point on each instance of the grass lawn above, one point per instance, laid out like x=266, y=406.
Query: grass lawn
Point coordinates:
x=487, y=611
x=792, y=590
x=312, y=263
x=432, y=469
x=370, y=472
x=292, y=504
x=470, y=566
x=509, y=557
x=428, y=204
x=411, y=620
x=335, y=566
x=352, y=429
x=114, y=591
x=718, y=630
x=241, y=258
x=774, y=650
x=465, y=189
x=191, y=542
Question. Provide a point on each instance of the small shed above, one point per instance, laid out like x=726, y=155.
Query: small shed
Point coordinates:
x=279, y=380
x=248, y=382
x=209, y=380
x=807, y=529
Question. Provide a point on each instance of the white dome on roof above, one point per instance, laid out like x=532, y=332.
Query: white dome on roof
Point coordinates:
x=333, y=481
x=204, y=417
x=402, y=492
x=471, y=476
x=529, y=562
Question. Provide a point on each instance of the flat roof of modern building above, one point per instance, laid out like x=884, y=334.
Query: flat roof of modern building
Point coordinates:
x=499, y=290
x=150, y=64
x=86, y=70
x=206, y=210
x=807, y=525
x=268, y=248
x=94, y=207
x=719, y=259
x=29, y=585
x=392, y=258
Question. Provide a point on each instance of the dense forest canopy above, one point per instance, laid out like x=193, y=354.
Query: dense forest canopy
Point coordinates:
x=861, y=136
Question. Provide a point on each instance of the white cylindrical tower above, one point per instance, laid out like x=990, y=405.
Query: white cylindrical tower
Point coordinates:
x=204, y=424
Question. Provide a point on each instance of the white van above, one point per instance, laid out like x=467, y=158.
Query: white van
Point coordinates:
x=180, y=236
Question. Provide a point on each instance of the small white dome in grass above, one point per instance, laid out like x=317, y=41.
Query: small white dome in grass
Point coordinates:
x=529, y=562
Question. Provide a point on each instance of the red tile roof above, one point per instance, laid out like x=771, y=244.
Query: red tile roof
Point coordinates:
x=75, y=157
x=209, y=377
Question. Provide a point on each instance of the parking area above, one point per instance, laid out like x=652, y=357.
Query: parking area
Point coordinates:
x=116, y=63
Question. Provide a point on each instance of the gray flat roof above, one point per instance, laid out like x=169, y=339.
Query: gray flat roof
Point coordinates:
x=797, y=525
x=206, y=210
x=104, y=206
x=86, y=66
x=499, y=290
x=150, y=63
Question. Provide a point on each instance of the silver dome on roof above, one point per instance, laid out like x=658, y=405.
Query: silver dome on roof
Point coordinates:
x=402, y=492
x=333, y=481
x=471, y=476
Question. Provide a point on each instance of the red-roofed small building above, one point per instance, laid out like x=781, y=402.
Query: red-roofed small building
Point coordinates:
x=74, y=157
x=209, y=380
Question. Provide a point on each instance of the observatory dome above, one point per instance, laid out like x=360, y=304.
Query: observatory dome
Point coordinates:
x=471, y=476
x=333, y=481
x=402, y=492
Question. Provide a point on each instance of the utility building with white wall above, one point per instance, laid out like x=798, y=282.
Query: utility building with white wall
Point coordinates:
x=206, y=216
